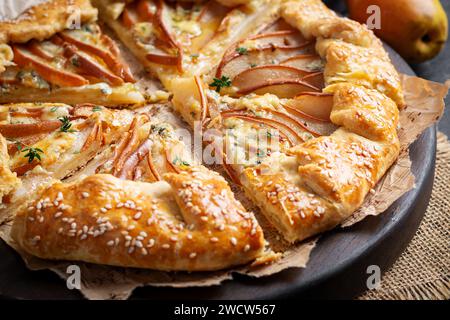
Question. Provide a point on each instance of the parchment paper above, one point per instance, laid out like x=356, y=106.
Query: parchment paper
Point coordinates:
x=424, y=107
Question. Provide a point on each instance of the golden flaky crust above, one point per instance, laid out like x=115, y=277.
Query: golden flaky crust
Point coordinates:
x=191, y=222
x=353, y=53
x=8, y=180
x=44, y=20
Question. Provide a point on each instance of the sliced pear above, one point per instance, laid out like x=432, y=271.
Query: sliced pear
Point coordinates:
x=278, y=39
x=310, y=62
x=129, y=18
x=89, y=66
x=203, y=99
x=210, y=18
x=134, y=158
x=279, y=25
x=146, y=10
x=35, y=48
x=283, y=88
x=160, y=57
x=27, y=129
x=287, y=129
x=260, y=75
x=25, y=59
x=316, y=106
x=120, y=69
x=231, y=67
x=315, y=79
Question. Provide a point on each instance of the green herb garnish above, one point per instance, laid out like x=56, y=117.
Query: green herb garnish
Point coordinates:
x=242, y=51
x=32, y=153
x=179, y=161
x=221, y=83
x=96, y=109
x=65, y=124
x=260, y=153
x=53, y=109
x=19, y=145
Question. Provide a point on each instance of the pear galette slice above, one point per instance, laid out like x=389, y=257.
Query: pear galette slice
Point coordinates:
x=58, y=138
x=141, y=203
x=71, y=64
x=172, y=38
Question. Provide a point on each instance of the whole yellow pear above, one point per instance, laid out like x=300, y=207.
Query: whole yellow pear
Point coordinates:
x=417, y=29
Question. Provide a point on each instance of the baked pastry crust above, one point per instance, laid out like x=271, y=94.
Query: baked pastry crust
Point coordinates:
x=44, y=20
x=142, y=225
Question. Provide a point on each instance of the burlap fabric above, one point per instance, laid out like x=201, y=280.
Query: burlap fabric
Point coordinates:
x=423, y=270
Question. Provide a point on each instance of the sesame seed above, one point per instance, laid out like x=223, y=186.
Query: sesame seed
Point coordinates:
x=246, y=248
x=144, y=251
x=58, y=214
x=83, y=236
x=233, y=241
x=137, y=216
x=35, y=239
x=143, y=234
x=151, y=243
x=192, y=255
x=166, y=246
x=189, y=236
x=110, y=243
x=31, y=218
x=214, y=239
x=173, y=239
x=85, y=194
x=60, y=230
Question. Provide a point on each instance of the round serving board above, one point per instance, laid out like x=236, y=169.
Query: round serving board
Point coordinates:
x=338, y=264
